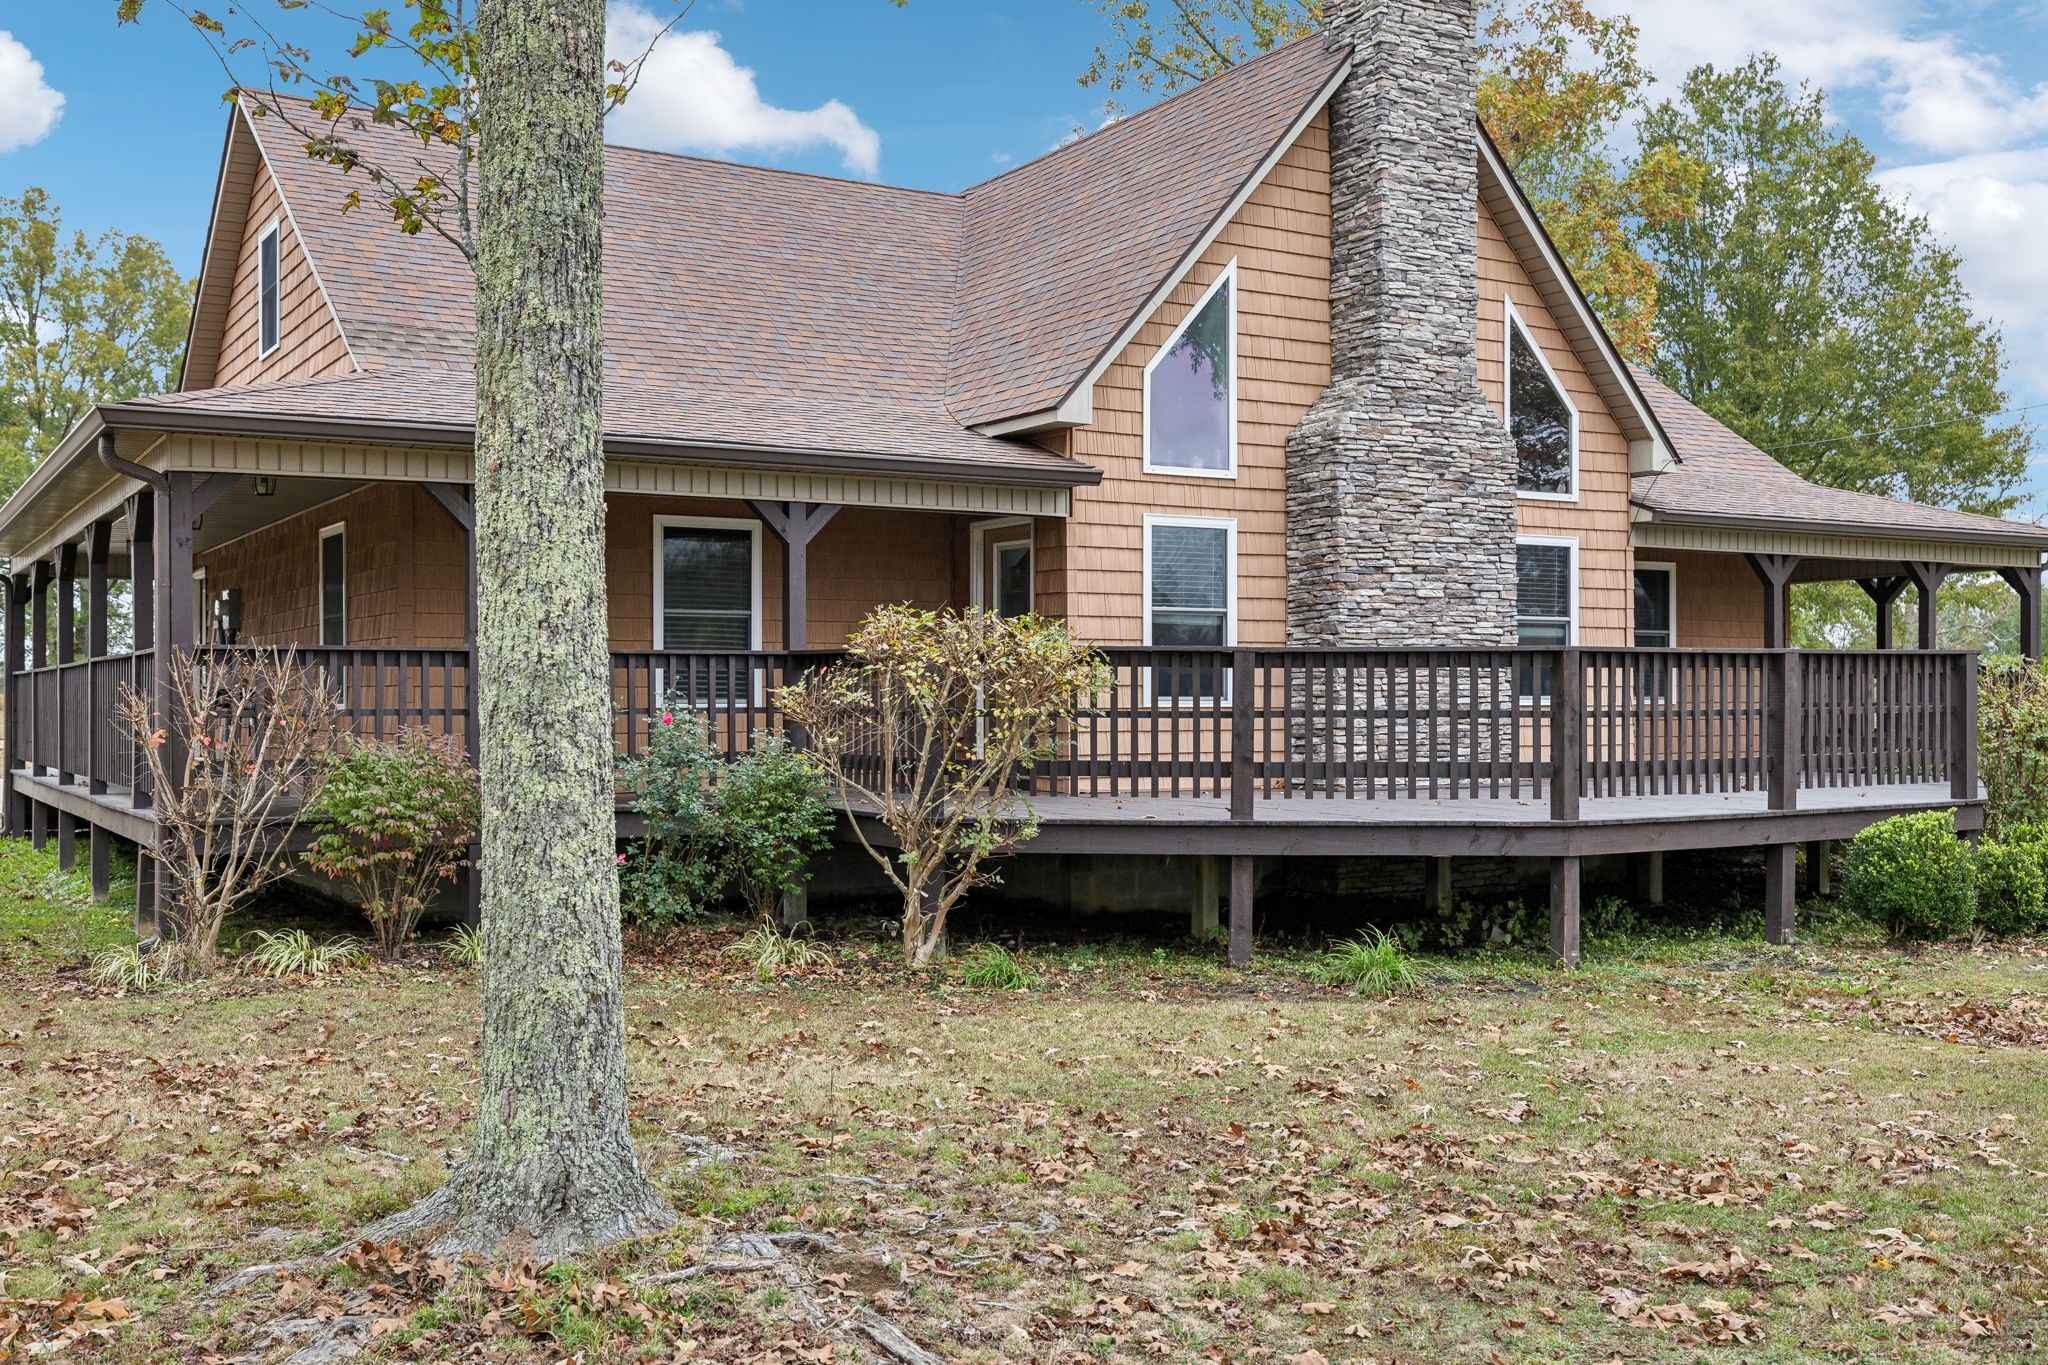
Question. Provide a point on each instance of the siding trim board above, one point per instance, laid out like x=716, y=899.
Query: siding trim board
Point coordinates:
x=1808, y=545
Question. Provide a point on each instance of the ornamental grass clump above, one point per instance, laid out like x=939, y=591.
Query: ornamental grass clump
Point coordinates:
x=394, y=822
x=1912, y=877
x=1371, y=964
x=931, y=724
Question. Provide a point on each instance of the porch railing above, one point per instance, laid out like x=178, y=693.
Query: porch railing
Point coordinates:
x=1252, y=727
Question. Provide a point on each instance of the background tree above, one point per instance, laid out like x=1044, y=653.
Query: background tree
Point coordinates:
x=81, y=322
x=1806, y=310
x=1557, y=84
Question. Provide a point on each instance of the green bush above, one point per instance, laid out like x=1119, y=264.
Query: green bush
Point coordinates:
x=394, y=821
x=751, y=826
x=2012, y=886
x=1912, y=877
x=2012, y=744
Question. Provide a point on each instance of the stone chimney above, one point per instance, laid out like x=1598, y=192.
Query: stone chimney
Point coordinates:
x=1400, y=480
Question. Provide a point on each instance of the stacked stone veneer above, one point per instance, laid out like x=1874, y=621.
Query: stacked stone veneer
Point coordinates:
x=1400, y=480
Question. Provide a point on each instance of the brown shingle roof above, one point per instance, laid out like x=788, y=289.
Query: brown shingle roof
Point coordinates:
x=1722, y=478
x=754, y=307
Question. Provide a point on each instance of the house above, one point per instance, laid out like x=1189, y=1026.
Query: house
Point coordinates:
x=1276, y=390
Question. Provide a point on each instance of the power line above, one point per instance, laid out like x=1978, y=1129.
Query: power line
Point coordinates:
x=1899, y=431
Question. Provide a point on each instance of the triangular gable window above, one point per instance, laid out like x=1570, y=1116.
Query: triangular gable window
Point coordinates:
x=1191, y=389
x=1541, y=419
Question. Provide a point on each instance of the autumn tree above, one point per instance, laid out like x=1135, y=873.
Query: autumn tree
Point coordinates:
x=82, y=321
x=1557, y=84
x=1806, y=309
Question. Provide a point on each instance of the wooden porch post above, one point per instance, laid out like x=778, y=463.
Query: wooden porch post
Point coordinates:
x=795, y=524
x=1564, y=911
x=172, y=603
x=1775, y=573
x=142, y=568
x=2027, y=584
x=99, y=547
x=1927, y=576
x=17, y=647
x=67, y=652
x=1883, y=592
x=459, y=502
x=1783, y=708
x=1567, y=733
x=39, y=636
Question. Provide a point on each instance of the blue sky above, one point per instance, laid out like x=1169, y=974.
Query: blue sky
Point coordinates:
x=942, y=93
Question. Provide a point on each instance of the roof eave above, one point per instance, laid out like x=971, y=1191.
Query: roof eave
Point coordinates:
x=2017, y=538
x=447, y=434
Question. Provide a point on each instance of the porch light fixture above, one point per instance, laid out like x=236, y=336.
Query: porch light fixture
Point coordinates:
x=265, y=485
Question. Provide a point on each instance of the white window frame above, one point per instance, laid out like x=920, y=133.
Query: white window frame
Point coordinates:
x=339, y=528
x=665, y=523
x=272, y=235
x=979, y=543
x=1511, y=321
x=1669, y=569
x=1229, y=527
x=1571, y=543
x=202, y=614
x=1226, y=276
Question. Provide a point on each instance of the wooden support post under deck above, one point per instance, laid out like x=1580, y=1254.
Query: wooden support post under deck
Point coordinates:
x=39, y=824
x=1205, y=917
x=1242, y=885
x=148, y=912
x=1820, y=872
x=1650, y=875
x=795, y=524
x=1565, y=875
x=67, y=841
x=100, y=858
x=796, y=908
x=1437, y=891
x=1775, y=573
x=1781, y=892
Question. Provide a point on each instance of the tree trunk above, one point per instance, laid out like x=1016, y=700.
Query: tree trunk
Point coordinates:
x=551, y=1167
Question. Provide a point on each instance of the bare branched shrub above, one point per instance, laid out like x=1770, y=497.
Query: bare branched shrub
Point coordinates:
x=928, y=728
x=233, y=760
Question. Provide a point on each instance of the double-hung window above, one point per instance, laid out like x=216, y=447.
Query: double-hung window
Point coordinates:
x=707, y=583
x=1190, y=417
x=1190, y=597
x=1542, y=420
x=1656, y=622
x=1546, y=603
x=266, y=290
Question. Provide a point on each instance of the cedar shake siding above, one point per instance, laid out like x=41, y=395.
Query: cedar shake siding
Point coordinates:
x=1599, y=519
x=1719, y=600
x=1280, y=240
x=310, y=342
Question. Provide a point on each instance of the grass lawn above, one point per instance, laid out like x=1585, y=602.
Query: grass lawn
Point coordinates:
x=1691, y=1150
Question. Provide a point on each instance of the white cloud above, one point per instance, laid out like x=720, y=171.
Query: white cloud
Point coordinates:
x=1993, y=209
x=29, y=108
x=692, y=96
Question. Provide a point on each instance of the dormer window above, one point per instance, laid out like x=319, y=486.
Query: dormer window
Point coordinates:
x=1191, y=389
x=266, y=290
x=1541, y=419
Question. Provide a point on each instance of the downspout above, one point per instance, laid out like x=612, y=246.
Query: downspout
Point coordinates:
x=154, y=478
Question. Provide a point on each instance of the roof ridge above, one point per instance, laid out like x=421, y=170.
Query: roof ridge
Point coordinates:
x=1207, y=83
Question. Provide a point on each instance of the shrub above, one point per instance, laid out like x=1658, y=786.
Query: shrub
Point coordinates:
x=772, y=952
x=1371, y=964
x=465, y=947
x=1911, y=877
x=2012, y=744
x=992, y=967
x=929, y=725
x=672, y=874
x=128, y=968
x=394, y=821
x=2012, y=887
x=770, y=819
x=294, y=952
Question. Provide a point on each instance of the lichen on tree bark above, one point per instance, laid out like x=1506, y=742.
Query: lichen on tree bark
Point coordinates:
x=551, y=1166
